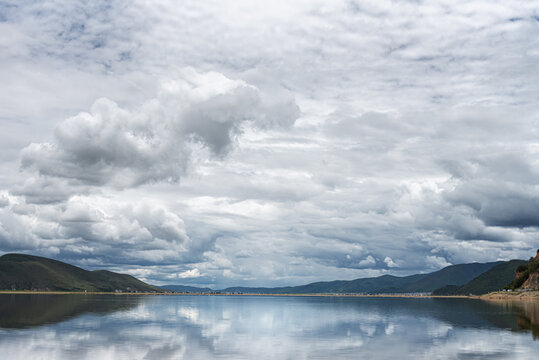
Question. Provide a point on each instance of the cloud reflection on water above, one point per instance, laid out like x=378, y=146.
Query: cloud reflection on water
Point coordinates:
x=207, y=327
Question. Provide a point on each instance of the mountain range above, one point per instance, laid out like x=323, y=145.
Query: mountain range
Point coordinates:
x=475, y=278
x=27, y=272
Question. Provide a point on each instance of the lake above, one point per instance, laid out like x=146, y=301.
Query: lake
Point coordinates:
x=263, y=327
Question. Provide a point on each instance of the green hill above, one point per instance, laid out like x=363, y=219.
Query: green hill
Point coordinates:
x=492, y=280
x=381, y=284
x=27, y=272
x=450, y=275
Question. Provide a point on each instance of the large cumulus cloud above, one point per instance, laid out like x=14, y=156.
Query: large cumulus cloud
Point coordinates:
x=113, y=145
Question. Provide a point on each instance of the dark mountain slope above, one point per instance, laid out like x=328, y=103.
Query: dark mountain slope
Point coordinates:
x=492, y=280
x=381, y=284
x=26, y=272
x=450, y=275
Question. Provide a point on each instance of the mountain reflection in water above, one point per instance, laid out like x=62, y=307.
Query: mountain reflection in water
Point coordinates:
x=258, y=327
x=28, y=310
x=528, y=316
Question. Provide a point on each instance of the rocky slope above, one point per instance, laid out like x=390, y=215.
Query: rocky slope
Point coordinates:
x=527, y=276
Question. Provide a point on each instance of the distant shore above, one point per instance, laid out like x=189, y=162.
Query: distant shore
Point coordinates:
x=494, y=296
x=52, y=292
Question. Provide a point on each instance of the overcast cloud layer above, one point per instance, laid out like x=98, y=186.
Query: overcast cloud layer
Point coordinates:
x=254, y=143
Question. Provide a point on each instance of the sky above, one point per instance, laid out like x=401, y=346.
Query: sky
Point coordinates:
x=219, y=143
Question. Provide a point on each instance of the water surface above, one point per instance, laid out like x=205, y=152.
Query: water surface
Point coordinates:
x=255, y=327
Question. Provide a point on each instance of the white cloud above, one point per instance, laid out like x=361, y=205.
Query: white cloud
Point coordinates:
x=437, y=262
x=390, y=263
x=112, y=145
x=368, y=261
x=193, y=273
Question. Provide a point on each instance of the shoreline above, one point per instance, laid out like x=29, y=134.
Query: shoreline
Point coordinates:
x=493, y=296
x=511, y=296
x=39, y=292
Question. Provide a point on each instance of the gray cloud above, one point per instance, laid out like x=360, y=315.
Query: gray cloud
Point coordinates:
x=88, y=227
x=314, y=140
x=4, y=201
x=45, y=190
